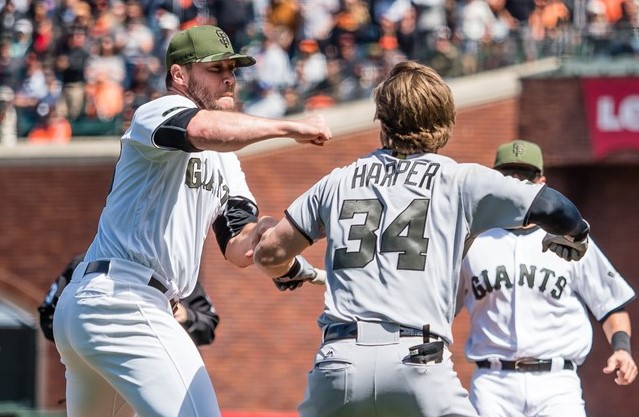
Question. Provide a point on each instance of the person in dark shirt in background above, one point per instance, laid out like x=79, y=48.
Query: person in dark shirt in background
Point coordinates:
x=195, y=313
x=71, y=58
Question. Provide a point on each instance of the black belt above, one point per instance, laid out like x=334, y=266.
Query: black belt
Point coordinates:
x=349, y=331
x=103, y=268
x=526, y=365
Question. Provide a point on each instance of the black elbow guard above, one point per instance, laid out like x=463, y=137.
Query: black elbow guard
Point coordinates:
x=556, y=214
x=172, y=133
x=239, y=212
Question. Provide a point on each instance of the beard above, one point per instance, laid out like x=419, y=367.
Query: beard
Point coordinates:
x=207, y=100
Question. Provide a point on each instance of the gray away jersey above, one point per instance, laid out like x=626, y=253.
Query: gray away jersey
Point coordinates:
x=163, y=200
x=396, y=230
x=525, y=303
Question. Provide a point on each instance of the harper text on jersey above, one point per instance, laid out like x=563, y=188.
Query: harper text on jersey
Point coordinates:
x=415, y=173
x=527, y=276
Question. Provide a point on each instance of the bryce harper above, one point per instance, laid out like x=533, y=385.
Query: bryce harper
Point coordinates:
x=396, y=222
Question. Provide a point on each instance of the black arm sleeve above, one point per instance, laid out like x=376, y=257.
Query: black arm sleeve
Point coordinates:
x=172, y=133
x=557, y=215
x=202, y=317
x=239, y=212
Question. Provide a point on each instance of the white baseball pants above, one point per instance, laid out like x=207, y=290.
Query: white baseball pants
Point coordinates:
x=527, y=394
x=124, y=352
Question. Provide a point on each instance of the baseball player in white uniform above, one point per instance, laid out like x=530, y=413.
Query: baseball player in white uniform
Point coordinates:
x=529, y=324
x=175, y=179
x=396, y=222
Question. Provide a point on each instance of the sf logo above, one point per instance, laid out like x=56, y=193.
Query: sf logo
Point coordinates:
x=518, y=149
x=224, y=39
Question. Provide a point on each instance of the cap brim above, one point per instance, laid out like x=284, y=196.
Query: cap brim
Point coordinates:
x=241, y=60
x=516, y=165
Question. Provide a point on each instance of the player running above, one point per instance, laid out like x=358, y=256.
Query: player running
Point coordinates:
x=529, y=324
x=396, y=222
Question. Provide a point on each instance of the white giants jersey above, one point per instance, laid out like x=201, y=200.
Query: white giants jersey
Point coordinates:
x=164, y=200
x=396, y=230
x=525, y=303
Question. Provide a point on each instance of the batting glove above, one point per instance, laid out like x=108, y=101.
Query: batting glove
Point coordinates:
x=300, y=272
x=565, y=247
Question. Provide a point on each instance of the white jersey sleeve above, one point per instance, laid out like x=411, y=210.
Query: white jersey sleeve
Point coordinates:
x=151, y=115
x=599, y=284
x=396, y=230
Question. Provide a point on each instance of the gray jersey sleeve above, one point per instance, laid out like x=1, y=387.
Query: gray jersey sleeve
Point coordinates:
x=601, y=287
x=491, y=199
x=306, y=212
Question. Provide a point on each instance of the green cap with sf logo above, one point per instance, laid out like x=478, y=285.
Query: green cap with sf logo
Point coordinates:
x=519, y=152
x=203, y=44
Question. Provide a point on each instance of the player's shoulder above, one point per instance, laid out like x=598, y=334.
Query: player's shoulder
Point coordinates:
x=166, y=105
x=467, y=175
x=346, y=170
x=472, y=168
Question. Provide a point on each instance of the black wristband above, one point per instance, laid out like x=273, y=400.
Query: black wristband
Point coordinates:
x=620, y=341
x=295, y=269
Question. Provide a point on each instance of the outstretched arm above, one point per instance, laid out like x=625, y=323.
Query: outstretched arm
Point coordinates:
x=556, y=214
x=617, y=330
x=226, y=131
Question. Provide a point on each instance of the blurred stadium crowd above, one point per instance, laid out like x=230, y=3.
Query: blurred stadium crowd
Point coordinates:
x=81, y=67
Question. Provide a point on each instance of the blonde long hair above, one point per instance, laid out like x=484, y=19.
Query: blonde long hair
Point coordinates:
x=416, y=109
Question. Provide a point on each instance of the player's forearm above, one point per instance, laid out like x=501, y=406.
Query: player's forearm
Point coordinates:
x=277, y=248
x=272, y=260
x=617, y=322
x=238, y=246
x=226, y=131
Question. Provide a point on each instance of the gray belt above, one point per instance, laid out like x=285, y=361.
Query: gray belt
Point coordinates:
x=103, y=268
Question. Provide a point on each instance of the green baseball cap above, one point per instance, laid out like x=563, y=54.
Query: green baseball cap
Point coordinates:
x=519, y=152
x=203, y=44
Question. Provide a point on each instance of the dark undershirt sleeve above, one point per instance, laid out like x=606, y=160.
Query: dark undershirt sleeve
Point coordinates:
x=239, y=212
x=172, y=133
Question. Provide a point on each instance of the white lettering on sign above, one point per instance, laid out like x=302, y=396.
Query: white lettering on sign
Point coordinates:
x=626, y=118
